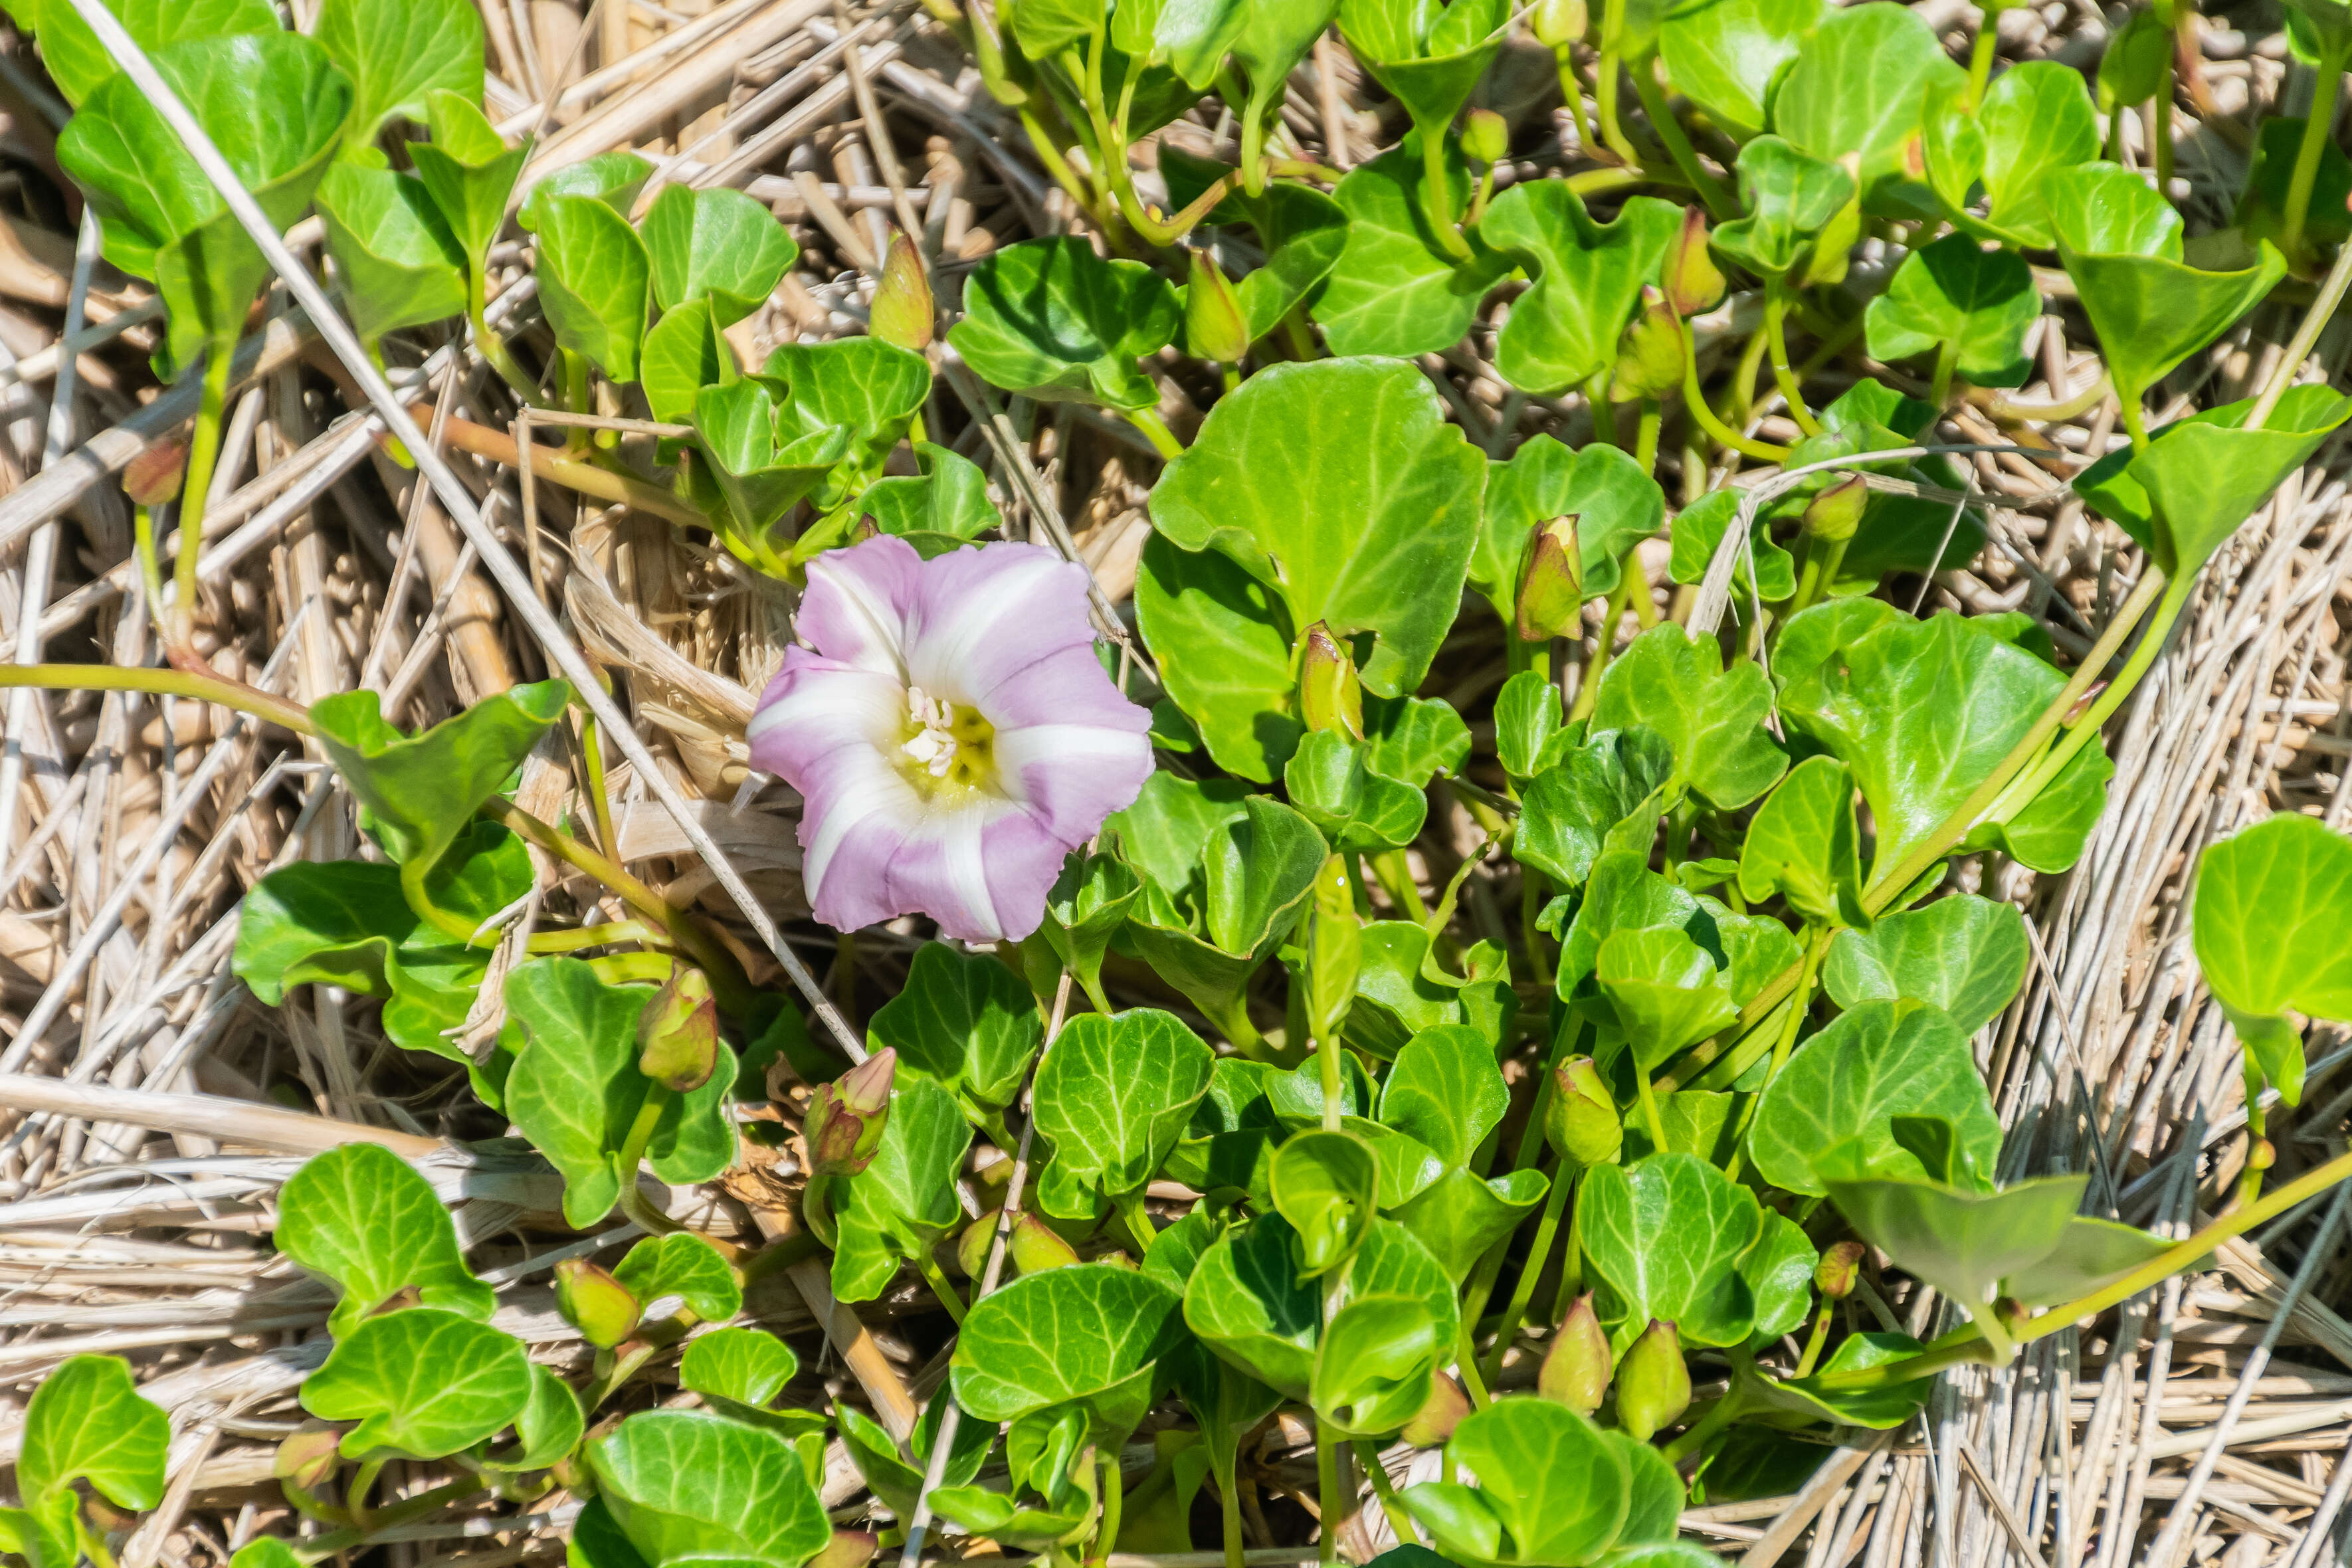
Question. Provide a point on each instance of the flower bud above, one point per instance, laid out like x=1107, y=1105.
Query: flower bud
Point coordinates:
x=604, y=1311
x=1551, y=584
x=1575, y=1371
x=154, y=476
x=1840, y=1267
x=1693, y=281
x=844, y=1124
x=1581, y=1124
x=1331, y=693
x=1836, y=512
x=902, y=313
x=1434, y=1422
x=1215, y=328
x=677, y=1034
x=847, y=1549
x=972, y=1246
x=1654, y=1386
x=1558, y=23
x=308, y=1457
x=1036, y=1246
x=1486, y=136
x=2262, y=1155
x=1334, y=950
x=1650, y=354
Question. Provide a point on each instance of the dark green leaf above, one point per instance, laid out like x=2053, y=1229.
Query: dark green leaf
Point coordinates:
x=1956, y=293
x=947, y=495
x=1459, y=1217
x=963, y=1020
x=398, y=51
x=901, y=1205
x=2274, y=902
x=688, y=1486
x=1393, y=291
x=1357, y=810
x=1672, y=683
x=1092, y=1336
x=1248, y=1304
x=1573, y=807
x=1223, y=639
x=1051, y=319
x=1588, y=282
x=1616, y=506
x=1446, y=1091
x=686, y=1266
x=1812, y=1400
x=1113, y=1095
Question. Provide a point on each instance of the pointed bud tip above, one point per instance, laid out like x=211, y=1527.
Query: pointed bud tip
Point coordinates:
x=1330, y=691
x=1653, y=1385
x=1575, y=1370
x=1215, y=326
x=903, y=313
x=1551, y=584
x=677, y=1033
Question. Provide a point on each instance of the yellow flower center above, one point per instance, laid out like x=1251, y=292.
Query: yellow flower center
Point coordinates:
x=947, y=746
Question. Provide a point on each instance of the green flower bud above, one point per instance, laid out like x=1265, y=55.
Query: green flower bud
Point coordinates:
x=1551, y=583
x=1840, y=1267
x=1434, y=1422
x=1582, y=1123
x=677, y=1034
x=2133, y=70
x=1694, y=283
x=847, y=1549
x=1558, y=23
x=972, y=1246
x=1575, y=1371
x=1650, y=354
x=604, y=1311
x=902, y=315
x=1331, y=693
x=1334, y=950
x=1486, y=136
x=1654, y=1386
x=844, y=1124
x=308, y=1457
x=1036, y=1246
x=1215, y=326
x=1836, y=512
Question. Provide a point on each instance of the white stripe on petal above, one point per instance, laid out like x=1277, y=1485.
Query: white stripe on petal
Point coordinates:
x=865, y=790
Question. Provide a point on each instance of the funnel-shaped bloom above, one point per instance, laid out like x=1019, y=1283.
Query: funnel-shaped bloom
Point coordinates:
x=950, y=731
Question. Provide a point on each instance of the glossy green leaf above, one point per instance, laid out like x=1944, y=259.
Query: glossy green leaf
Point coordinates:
x=1373, y=1365
x=1341, y=483
x=877, y=1457
x=575, y=1089
x=274, y=105
x=2092, y=1254
x=468, y=170
x=1860, y=85
x=421, y=1383
x=1574, y=810
x=1588, y=282
x=1779, y=1270
x=1326, y=1183
x=1559, y=1486
x=1876, y=1062
x=1255, y=873
x=398, y=51
x=1789, y=196
x=1623, y=893
x=683, y=353
x=1665, y=990
x=1445, y=1090
x=1223, y=639
x=902, y=1203
x=1392, y=289
x=1666, y=1234
x=963, y=1020
x=1955, y=292
x=1675, y=685
x=612, y=178
x=1962, y=1243
x=1459, y=1217
x=688, y=1486
x=686, y=1266
x=1113, y=1095
x=1726, y=55
x=362, y=1218
x=717, y=245
x=1163, y=833
x=1051, y=319
x=947, y=495
x=1357, y=811
x=1528, y=734
x=549, y=1426
x=400, y=264
x=1401, y=990
x=1092, y=1336
x=1248, y=1303
x=2035, y=117
x=86, y=1422
x=761, y=476
x=595, y=282
x=1963, y=954
x=1803, y=845
x=1269, y=43
x=1413, y=739
x=1085, y=907
x=871, y=387
x=745, y=1366
x=2121, y=243
x=1700, y=528
x=78, y=62
x=1615, y=503
x=2274, y=902
x=1810, y=1399
x=1429, y=56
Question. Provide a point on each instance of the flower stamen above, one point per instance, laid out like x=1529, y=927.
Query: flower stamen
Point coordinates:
x=948, y=741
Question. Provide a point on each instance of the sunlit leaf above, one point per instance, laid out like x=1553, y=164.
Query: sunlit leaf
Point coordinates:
x=361, y=1216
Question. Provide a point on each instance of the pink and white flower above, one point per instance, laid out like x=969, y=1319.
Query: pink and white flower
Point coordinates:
x=951, y=733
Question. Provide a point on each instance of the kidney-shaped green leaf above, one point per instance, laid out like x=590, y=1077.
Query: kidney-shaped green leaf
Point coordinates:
x=1876, y=1062
x=396, y=52
x=421, y=1383
x=1588, y=281
x=361, y=1216
x=1963, y=954
x=718, y=244
x=2274, y=903
x=1667, y=1234
x=685, y=1486
x=87, y=1421
x=1675, y=685
x=905, y=1200
x=1051, y=319
x=1113, y=1095
x=963, y=1020
x=1093, y=1336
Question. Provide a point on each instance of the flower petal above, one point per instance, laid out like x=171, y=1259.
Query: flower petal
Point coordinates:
x=1071, y=776
x=858, y=603
x=982, y=616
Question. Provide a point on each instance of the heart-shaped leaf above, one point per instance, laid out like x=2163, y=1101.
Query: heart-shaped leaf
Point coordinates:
x=1113, y=1095
x=1528, y=735
x=1393, y=291
x=1413, y=739
x=1666, y=1234
x=963, y=1020
x=1223, y=639
x=396, y=52
x=1248, y=1303
x=1460, y=1217
x=1963, y=954
x=401, y=266
x=689, y=1486
x=869, y=387
x=2274, y=902
x=2035, y=117
x=1879, y=1062
x=1445, y=1090
x=1574, y=809
x=1051, y=319
x=1092, y=1336
x=361, y=1216
x=1963, y=1243
x=1665, y=990
x=1699, y=527
x=685, y=353
x=1357, y=810
x=1615, y=502
x=575, y=1090
x=87, y=1421
x=717, y=245
x=2092, y=1254
x=1725, y=56
x=1401, y=990
x=947, y=495
x=595, y=282
x=1428, y=56
x=1860, y=85
x=78, y=62
x=549, y=1427
x=1588, y=281
x=1326, y=1183
x=1163, y=833
x=274, y=104
x=743, y=1366
x=1955, y=296
x=469, y=171
x=1560, y=1486
x=1623, y=893
x=1255, y=873
x=1675, y=685
x=900, y=1206
x=685, y=1265
x=2121, y=243
x=421, y=1383
x=1803, y=845
x=1789, y=196
x=613, y=178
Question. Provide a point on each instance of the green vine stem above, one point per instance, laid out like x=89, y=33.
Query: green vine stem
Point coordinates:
x=1332, y=1503
x=1776, y=343
x=1515, y=1310
x=203, y=457
x=1155, y=429
x=2316, y=130
x=1721, y=204
x=1437, y=195
x=1980, y=53
x=213, y=689
x=1695, y=400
